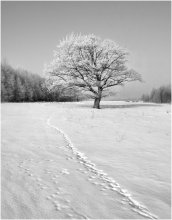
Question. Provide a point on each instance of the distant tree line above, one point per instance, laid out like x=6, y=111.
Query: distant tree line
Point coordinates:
x=23, y=86
x=160, y=95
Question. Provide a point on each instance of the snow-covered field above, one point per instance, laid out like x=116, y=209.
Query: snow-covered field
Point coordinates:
x=67, y=160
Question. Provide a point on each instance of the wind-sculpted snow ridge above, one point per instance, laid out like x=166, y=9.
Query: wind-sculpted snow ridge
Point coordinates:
x=111, y=183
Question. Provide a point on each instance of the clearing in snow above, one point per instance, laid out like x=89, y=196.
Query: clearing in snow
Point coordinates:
x=67, y=160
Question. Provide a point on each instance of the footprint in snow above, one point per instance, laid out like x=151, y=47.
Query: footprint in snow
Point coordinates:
x=65, y=171
x=70, y=158
x=69, y=215
x=38, y=179
x=55, y=182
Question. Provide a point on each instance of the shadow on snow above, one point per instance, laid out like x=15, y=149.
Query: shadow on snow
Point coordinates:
x=112, y=106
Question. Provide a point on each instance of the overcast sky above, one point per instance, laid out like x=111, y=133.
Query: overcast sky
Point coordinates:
x=30, y=32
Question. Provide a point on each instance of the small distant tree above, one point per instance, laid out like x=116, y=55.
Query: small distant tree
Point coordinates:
x=92, y=64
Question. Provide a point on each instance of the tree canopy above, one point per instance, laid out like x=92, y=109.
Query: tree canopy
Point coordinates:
x=91, y=64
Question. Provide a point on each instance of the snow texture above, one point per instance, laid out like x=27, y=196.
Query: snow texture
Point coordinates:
x=67, y=160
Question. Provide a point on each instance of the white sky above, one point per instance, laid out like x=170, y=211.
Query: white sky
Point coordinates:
x=30, y=32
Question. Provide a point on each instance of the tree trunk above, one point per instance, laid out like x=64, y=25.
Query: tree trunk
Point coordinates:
x=98, y=96
x=97, y=103
x=98, y=99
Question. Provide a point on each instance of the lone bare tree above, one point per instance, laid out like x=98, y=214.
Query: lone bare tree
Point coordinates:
x=92, y=64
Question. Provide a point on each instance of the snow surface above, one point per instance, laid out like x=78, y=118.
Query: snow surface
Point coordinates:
x=67, y=160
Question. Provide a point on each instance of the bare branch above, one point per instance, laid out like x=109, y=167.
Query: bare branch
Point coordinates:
x=91, y=64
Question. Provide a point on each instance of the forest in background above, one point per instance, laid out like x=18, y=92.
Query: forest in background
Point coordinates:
x=19, y=85
x=159, y=95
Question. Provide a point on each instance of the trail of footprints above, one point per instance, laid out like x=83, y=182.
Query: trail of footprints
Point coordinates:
x=102, y=179
x=57, y=197
x=89, y=171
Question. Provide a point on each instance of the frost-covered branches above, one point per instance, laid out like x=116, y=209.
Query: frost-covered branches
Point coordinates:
x=91, y=64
